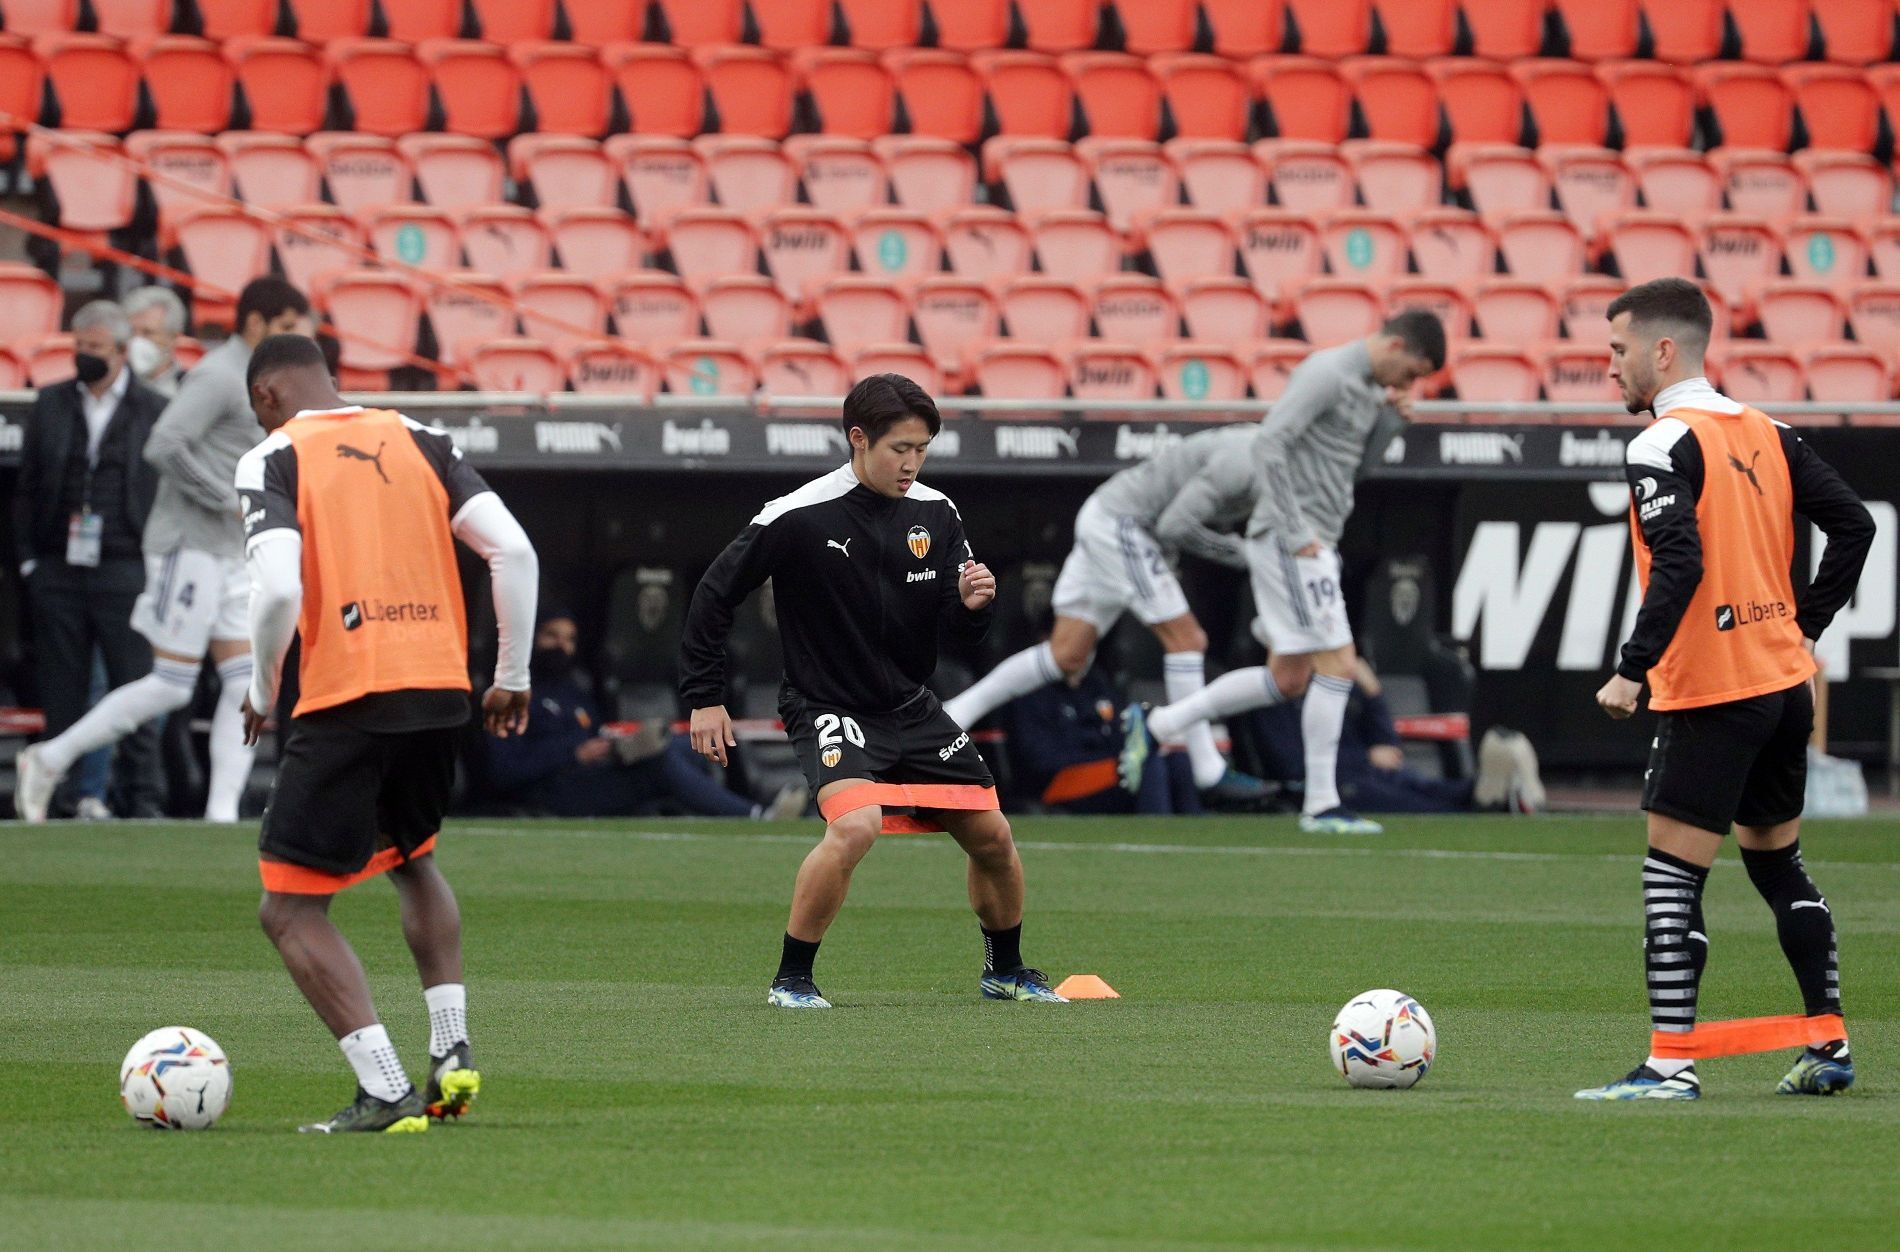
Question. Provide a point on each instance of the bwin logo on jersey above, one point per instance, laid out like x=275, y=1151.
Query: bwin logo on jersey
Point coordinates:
x=919, y=541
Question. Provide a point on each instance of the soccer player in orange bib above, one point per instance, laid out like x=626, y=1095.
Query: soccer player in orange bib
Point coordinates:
x=350, y=522
x=1726, y=647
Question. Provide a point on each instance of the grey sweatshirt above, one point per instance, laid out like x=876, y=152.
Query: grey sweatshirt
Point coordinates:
x=195, y=447
x=1309, y=447
x=1190, y=492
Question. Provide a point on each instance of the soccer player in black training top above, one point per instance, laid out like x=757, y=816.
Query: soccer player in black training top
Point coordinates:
x=867, y=564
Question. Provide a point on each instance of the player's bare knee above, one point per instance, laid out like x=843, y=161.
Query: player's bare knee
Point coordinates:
x=991, y=844
x=1291, y=674
x=279, y=914
x=1182, y=635
x=1072, y=657
x=853, y=833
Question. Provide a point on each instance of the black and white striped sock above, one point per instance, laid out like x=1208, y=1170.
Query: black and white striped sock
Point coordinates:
x=1675, y=946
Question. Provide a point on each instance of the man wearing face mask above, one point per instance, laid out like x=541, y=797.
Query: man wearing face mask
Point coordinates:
x=79, y=509
x=158, y=321
x=196, y=591
x=564, y=766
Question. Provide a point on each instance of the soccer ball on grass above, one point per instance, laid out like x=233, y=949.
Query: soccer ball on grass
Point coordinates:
x=176, y=1078
x=1383, y=1038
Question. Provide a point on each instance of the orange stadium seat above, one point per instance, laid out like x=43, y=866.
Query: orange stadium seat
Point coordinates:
x=1418, y=28
x=1028, y=92
x=1828, y=250
x=1333, y=310
x=30, y=302
x=1151, y=26
x=1684, y=32
x=709, y=367
x=1772, y=31
x=1738, y=253
x=1039, y=309
x=1218, y=175
x=1568, y=102
x=663, y=88
x=706, y=243
x=1677, y=180
x=1501, y=178
x=1306, y=97
x=1281, y=251
x=563, y=309
x=748, y=175
x=1200, y=371
x=1873, y=310
x=928, y=174
x=595, y=243
x=47, y=360
x=1541, y=246
x=802, y=248
x=896, y=244
x=1589, y=183
x=505, y=240
x=881, y=24
x=652, y=309
x=785, y=25
x=1207, y=96
x=388, y=89
x=1366, y=246
x=1333, y=28
x=1758, y=373
x=95, y=81
x=1225, y=311
x=416, y=20
x=517, y=365
x=320, y=22
x=1245, y=28
x=1494, y=374
x=514, y=21
x=1133, y=178
x=1059, y=25
x=230, y=19
x=1396, y=98
x=22, y=80
x=569, y=88
x=1037, y=174
x=454, y=171
x=1514, y=310
x=1720, y=317
x=1883, y=248
x=1751, y=106
x=1120, y=99
x=314, y=239
x=96, y=188
x=1506, y=30
x=898, y=358
x=971, y=25
x=478, y=85
x=1766, y=184
x=41, y=17
x=942, y=96
x=802, y=367
x=1600, y=30
x=1020, y=371
x=12, y=370
x=1800, y=314
x=565, y=171
x=955, y=317
x=1448, y=302
x=1839, y=107
x=285, y=83
x=1134, y=308
x=1307, y=176
x=1271, y=362
x=189, y=83
x=1846, y=184
x=750, y=89
x=376, y=314
x=1394, y=177
x=1582, y=306
x=850, y=89
x=190, y=171
x=1855, y=31
x=361, y=172
x=465, y=311
x=1847, y=373
x=857, y=311
x=1655, y=103
x=985, y=242
x=839, y=174
x=1189, y=244
x=414, y=235
x=1650, y=245
x=270, y=170
x=694, y=23
x=603, y=22
x=1453, y=246
x=1482, y=102
x=661, y=175
x=613, y=369
x=1577, y=373
x=1076, y=245
x=1110, y=371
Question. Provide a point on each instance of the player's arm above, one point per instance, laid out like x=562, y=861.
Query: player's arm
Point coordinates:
x=1825, y=499
x=1664, y=468
x=746, y=563
x=1187, y=524
x=1310, y=391
x=266, y=483
x=969, y=599
x=176, y=445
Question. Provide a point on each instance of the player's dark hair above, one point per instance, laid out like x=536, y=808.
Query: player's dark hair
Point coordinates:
x=270, y=298
x=1674, y=301
x=1422, y=333
x=281, y=352
x=881, y=401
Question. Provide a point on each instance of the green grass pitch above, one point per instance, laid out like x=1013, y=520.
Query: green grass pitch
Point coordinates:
x=638, y=1091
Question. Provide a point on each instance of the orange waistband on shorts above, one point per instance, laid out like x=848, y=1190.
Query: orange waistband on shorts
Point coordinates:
x=961, y=796
x=286, y=879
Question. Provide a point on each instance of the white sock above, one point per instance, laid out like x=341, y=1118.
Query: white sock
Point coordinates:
x=230, y=758
x=1017, y=675
x=123, y=710
x=1321, y=720
x=1186, y=673
x=1236, y=691
x=448, y=1016
x=378, y=1069
x=1668, y=1066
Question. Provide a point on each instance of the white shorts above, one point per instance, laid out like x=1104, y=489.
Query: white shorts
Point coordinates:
x=1116, y=567
x=1301, y=605
x=191, y=598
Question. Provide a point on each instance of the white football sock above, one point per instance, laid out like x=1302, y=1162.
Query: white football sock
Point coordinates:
x=1668, y=1066
x=1321, y=720
x=230, y=757
x=378, y=1069
x=448, y=1016
x=123, y=710
x=1185, y=673
x=1017, y=675
x=1236, y=691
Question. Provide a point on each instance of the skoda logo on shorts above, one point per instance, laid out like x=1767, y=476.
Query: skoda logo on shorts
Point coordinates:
x=919, y=541
x=831, y=757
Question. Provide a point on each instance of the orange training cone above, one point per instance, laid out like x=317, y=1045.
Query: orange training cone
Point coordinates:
x=1086, y=987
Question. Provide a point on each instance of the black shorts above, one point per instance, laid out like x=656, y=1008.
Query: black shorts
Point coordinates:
x=916, y=742
x=344, y=793
x=1744, y=761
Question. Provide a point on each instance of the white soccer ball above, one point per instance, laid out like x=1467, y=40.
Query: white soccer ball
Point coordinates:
x=176, y=1078
x=1383, y=1038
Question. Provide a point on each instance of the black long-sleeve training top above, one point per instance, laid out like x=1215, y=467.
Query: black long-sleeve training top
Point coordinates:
x=862, y=583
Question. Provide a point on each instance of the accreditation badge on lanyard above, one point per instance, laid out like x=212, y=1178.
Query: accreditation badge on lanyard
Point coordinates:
x=85, y=536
